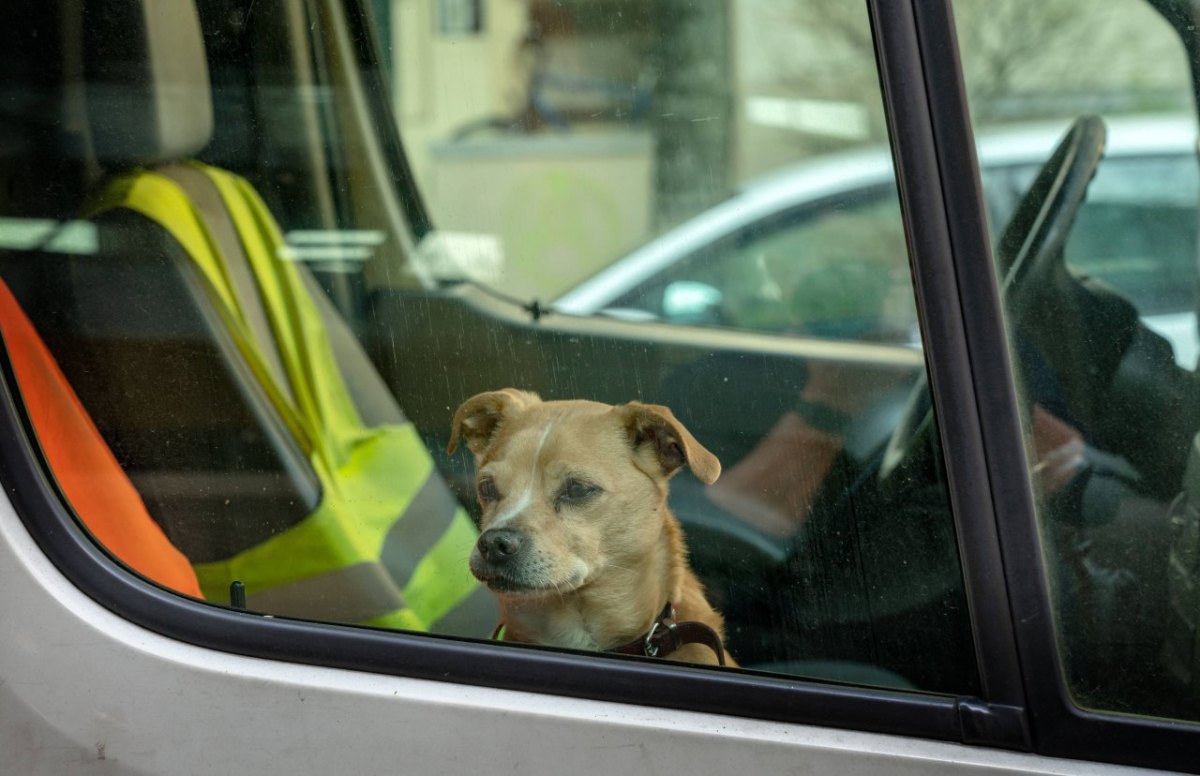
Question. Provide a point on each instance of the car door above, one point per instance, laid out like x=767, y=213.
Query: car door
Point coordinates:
x=873, y=545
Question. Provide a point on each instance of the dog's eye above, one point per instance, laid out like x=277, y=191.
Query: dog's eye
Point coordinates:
x=576, y=490
x=487, y=490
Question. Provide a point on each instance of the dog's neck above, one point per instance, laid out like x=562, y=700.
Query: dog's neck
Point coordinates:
x=621, y=604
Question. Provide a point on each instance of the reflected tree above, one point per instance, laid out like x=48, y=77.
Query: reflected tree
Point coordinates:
x=692, y=114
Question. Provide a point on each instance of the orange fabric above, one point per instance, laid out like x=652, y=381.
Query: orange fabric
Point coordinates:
x=83, y=465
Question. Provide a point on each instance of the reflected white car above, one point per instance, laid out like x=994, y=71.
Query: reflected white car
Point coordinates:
x=1136, y=231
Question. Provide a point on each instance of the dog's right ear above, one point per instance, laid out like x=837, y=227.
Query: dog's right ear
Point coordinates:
x=479, y=417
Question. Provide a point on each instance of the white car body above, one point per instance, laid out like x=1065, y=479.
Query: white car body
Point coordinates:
x=84, y=691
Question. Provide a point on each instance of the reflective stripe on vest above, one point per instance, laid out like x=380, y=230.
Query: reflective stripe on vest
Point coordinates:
x=388, y=544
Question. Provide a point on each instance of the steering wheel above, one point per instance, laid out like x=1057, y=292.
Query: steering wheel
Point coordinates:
x=915, y=553
x=1029, y=255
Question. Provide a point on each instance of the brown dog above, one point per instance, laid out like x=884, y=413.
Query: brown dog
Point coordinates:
x=577, y=541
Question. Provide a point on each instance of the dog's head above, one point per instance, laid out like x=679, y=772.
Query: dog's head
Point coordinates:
x=569, y=488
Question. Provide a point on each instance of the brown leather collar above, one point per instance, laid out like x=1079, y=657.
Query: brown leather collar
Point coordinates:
x=664, y=637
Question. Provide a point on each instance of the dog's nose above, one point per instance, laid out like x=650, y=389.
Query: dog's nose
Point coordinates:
x=499, y=544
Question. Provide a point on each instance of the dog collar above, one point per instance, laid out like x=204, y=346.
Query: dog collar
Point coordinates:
x=667, y=635
x=664, y=637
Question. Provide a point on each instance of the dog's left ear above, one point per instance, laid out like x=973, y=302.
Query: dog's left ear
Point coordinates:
x=657, y=427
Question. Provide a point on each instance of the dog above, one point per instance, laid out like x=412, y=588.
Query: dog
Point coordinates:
x=576, y=540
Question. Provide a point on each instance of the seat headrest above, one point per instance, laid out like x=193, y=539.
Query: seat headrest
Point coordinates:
x=45, y=147
x=146, y=79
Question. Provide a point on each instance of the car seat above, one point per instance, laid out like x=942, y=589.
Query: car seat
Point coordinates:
x=84, y=468
x=247, y=416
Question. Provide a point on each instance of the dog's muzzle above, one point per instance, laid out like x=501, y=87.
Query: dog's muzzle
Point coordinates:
x=498, y=546
x=497, y=559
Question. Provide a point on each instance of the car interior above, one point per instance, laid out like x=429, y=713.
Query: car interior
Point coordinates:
x=198, y=388
x=238, y=465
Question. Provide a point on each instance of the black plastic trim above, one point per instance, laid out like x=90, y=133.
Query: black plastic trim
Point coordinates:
x=943, y=210
x=1059, y=727
x=994, y=724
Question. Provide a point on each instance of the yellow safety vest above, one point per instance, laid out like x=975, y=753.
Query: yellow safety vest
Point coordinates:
x=353, y=559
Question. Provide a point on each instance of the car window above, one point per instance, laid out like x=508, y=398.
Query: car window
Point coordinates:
x=603, y=151
x=583, y=138
x=1096, y=259
x=836, y=269
x=310, y=325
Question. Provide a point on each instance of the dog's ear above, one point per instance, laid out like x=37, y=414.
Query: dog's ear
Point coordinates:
x=480, y=416
x=657, y=427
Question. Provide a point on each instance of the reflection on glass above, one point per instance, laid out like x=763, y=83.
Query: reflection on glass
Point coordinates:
x=1099, y=283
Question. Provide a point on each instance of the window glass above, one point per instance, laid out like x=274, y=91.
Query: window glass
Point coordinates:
x=1095, y=246
x=829, y=270
x=1136, y=231
x=275, y=348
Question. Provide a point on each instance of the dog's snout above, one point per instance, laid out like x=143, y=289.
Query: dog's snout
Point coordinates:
x=497, y=545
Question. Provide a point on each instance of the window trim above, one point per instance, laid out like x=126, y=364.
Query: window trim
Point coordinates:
x=965, y=319
x=941, y=198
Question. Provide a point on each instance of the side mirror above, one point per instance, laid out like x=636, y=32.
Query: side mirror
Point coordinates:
x=686, y=301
